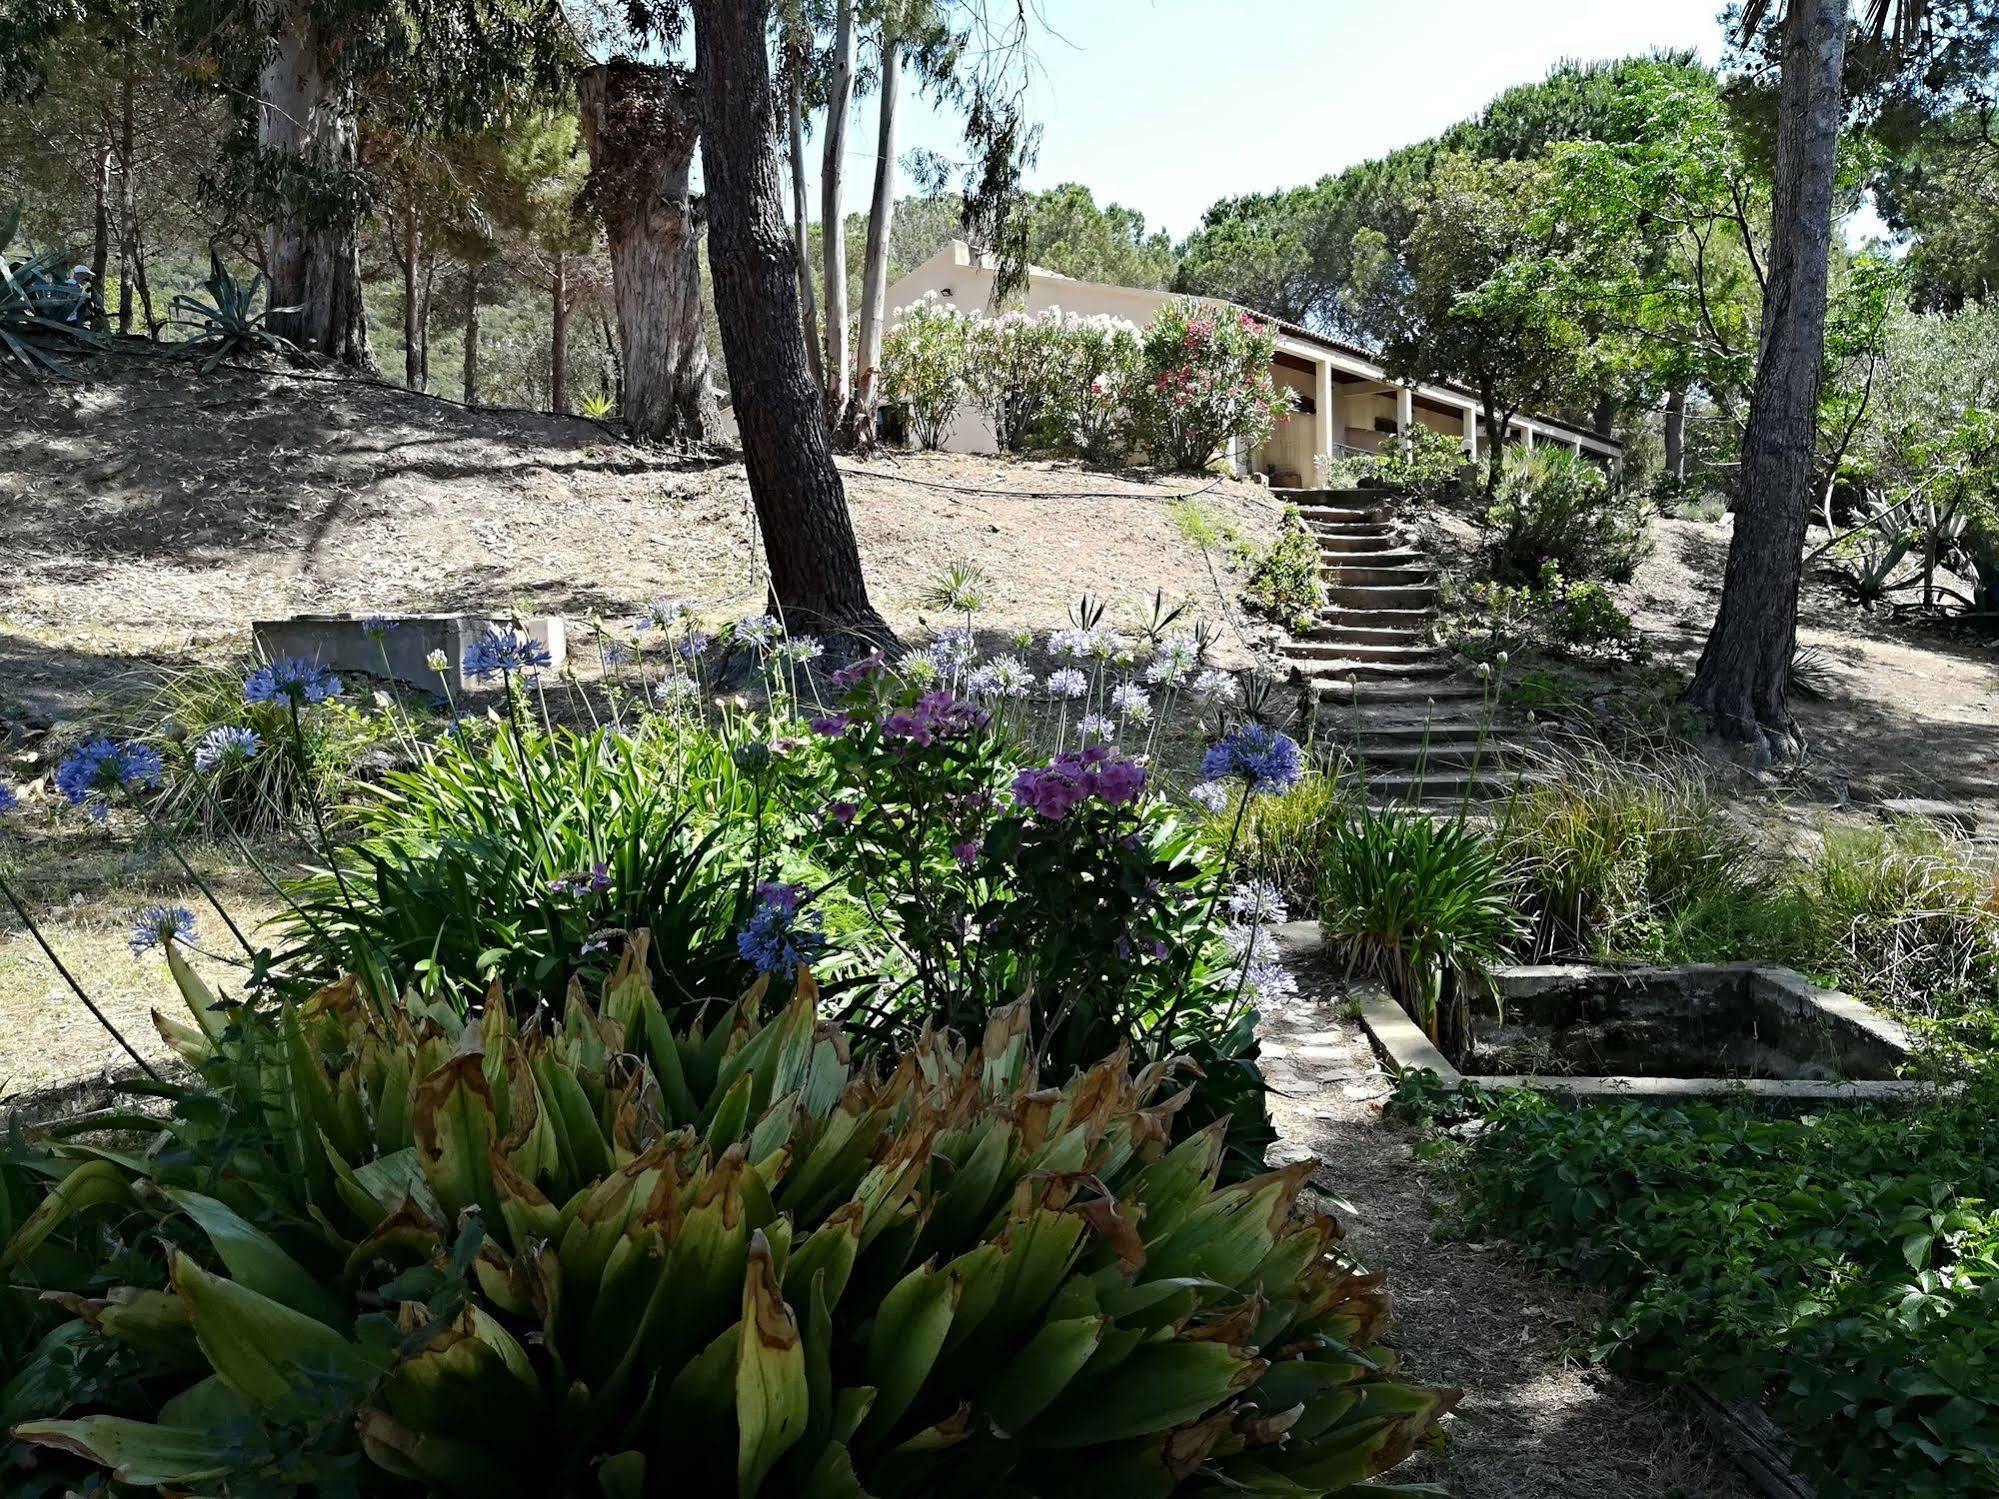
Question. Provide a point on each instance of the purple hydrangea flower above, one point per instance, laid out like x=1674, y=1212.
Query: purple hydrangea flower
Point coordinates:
x=505, y=653
x=779, y=937
x=156, y=926
x=832, y=725
x=293, y=680
x=857, y=672
x=226, y=744
x=966, y=853
x=1264, y=760
x=935, y=715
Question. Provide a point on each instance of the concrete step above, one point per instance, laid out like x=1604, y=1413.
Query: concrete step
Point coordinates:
x=1318, y=648
x=1389, y=635
x=1343, y=516
x=1341, y=668
x=1381, y=596
x=1489, y=755
x=1402, y=557
x=1436, y=786
x=1376, y=619
x=1332, y=496
x=1350, y=574
x=1383, y=540
x=1446, y=693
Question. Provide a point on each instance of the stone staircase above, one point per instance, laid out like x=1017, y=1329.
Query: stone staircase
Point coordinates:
x=1420, y=729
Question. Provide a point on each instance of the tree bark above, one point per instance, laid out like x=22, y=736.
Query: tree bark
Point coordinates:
x=860, y=422
x=423, y=322
x=100, y=242
x=313, y=254
x=1742, y=684
x=640, y=125
x=128, y=242
x=1676, y=434
x=802, y=228
x=832, y=218
x=413, y=361
x=558, y=338
x=808, y=536
x=472, y=334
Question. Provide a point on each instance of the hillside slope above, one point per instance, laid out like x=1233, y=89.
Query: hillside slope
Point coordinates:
x=149, y=515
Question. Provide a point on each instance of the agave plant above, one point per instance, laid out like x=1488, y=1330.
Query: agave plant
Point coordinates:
x=1424, y=905
x=227, y=325
x=617, y=1258
x=32, y=337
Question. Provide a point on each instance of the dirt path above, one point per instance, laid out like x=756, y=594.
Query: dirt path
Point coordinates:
x=1537, y=1421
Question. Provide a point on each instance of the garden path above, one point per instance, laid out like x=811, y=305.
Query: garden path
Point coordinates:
x=1538, y=1421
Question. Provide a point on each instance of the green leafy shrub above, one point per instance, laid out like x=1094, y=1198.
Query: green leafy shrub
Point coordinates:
x=1012, y=363
x=1206, y=383
x=1843, y=1268
x=505, y=859
x=621, y=1254
x=1284, y=581
x=1553, y=613
x=923, y=367
x=1424, y=905
x=1426, y=466
x=1554, y=506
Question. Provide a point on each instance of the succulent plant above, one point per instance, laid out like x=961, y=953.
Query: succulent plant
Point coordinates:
x=617, y=1257
x=227, y=325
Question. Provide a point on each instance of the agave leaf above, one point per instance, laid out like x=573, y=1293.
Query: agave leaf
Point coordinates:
x=138, y=1452
x=258, y=1261
x=771, y=1395
x=452, y=1114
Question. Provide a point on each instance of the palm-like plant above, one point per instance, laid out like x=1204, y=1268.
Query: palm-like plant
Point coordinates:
x=227, y=325
x=1423, y=905
x=32, y=341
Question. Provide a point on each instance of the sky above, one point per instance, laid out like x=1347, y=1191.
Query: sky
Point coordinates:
x=1167, y=105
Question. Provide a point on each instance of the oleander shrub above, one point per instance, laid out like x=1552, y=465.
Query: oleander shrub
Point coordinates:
x=1090, y=393
x=1013, y=361
x=379, y=1248
x=923, y=367
x=1206, y=383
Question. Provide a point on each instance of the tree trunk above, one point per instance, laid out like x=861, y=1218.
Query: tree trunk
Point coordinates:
x=472, y=335
x=1495, y=444
x=1676, y=434
x=1742, y=685
x=314, y=265
x=558, y=338
x=640, y=126
x=412, y=306
x=128, y=241
x=423, y=323
x=100, y=241
x=815, y=564
x=832, y=219
x=860, y=423
x=802, y=226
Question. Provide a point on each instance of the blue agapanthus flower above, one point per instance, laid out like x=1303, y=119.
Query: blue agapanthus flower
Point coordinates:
x=156, y=926
x=8, y=800
x=293, y=680
x=92, y=771
x=1264, y=760
x=226, y=744
x=779, y=937
x=378, y=626
x=505, y=653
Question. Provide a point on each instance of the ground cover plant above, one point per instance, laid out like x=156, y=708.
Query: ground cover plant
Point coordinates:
x=1842, y=1268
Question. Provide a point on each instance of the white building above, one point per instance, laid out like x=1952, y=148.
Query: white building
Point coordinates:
x=1344, y=401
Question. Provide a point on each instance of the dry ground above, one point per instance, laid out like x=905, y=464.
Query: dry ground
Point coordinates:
x=145, y=516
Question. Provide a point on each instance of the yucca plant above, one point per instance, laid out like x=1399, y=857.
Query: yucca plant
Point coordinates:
x=1422, y=904
x=34, y=337
x=228, y=325
x=621, y=1258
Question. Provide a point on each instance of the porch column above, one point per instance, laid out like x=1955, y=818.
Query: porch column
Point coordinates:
x=1325, y=439
x=1527, y=436
x=1405, y=415
x=1471, y=431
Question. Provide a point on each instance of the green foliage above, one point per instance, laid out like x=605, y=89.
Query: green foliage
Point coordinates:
x=1428, y=467
x=379, y=1247
x=1284, y=581
x=477, y=865
x=1067, y=232
x=1843, y=1269
x=1286, y=840
x=1205, y=384
x=1092, y=408
x=923, y=368
x=1012, y=361
x=228, y=325
x=1568, y=618
x=1424, y=905
x=1553, y=506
